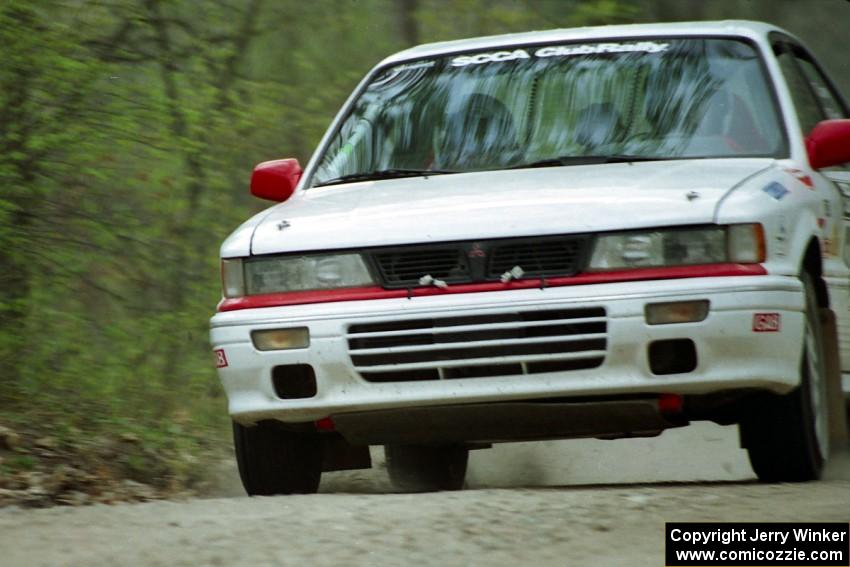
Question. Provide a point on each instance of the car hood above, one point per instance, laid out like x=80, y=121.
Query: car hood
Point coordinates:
x=504, y=203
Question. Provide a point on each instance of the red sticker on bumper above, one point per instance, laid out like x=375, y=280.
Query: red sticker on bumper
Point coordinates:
x=767, y=322
x=220, y=358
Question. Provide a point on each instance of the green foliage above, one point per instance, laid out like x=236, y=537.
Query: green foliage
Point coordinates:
x=19, y=463
x=128, y=129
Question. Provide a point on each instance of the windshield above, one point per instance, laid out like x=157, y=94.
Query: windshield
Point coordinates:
x=558, y=105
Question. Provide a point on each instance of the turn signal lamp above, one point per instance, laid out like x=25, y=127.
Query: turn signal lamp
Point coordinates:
x=746, y=243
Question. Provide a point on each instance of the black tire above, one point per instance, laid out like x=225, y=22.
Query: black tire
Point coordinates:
x=787, y=437
x=273, y=460
x=414, y=468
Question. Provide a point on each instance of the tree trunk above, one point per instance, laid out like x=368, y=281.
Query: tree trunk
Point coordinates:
x=407, y=25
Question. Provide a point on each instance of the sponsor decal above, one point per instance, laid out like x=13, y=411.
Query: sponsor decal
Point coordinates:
x=492, y=57
x=782, y=237
x=559, y=51
x=220, y=358
x=568, y=50
x=830, y=244
x=767, y=322
x=775, y=190
x=801, y=176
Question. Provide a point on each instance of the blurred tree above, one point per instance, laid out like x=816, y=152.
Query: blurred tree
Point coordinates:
x=407, y=24
x=819, y=23
x=48, y=112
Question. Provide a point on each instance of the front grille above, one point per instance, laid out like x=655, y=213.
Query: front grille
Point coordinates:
x=480, y=261
x=400, y=268
x=478, y=346
x=537, y=258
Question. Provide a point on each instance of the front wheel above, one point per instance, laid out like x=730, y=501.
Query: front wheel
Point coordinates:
x=415, y=468
x=273, y=460
x=787, y=437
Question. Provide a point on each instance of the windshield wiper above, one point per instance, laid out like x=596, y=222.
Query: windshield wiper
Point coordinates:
x=393, y=173
x=587, y=160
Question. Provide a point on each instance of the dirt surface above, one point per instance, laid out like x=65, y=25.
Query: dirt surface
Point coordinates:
x=565, y=503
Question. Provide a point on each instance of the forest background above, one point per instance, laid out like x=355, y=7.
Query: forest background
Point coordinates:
x=128, y=130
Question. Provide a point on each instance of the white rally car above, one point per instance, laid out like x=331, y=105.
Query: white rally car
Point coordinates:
x=597, y=232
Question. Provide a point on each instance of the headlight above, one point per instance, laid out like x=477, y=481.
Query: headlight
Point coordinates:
x=679, y=247
x=302, y=273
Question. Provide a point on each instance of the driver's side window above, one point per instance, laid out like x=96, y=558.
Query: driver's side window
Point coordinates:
x=813, y=98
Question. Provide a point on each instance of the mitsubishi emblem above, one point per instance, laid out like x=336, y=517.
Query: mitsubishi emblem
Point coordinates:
x=476, y=252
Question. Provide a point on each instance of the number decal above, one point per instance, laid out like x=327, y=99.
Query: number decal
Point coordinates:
x=767, y=322
x=220, y=358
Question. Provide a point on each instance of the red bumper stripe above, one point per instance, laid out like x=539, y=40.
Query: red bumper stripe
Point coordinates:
x=362, y=293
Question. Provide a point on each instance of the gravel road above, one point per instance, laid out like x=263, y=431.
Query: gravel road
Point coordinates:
x=565, y=503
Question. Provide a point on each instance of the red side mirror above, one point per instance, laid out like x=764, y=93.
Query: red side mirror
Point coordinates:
x=275, y=180
x=829, y=143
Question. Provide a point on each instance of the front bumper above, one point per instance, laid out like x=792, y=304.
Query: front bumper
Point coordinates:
x=730, y=354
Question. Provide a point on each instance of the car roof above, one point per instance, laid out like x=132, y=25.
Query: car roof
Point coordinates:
x=738, y=28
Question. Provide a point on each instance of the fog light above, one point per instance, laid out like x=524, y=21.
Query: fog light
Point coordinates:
x=676, y=312
x=281, y=339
